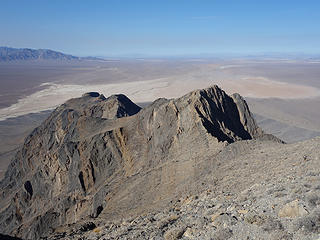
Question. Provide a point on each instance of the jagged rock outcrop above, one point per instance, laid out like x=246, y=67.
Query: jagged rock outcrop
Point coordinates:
x=106, y=158
x=262, y=190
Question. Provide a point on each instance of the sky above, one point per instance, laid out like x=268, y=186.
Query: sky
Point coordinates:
x=162, y=27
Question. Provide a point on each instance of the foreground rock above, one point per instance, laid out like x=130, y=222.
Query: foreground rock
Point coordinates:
x=103, y=158
x=243, y=203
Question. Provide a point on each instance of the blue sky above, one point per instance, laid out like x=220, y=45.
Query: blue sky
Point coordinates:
x=161, y=27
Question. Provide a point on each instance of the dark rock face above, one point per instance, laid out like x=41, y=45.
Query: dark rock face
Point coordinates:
x=6, y=237
x=104, y=157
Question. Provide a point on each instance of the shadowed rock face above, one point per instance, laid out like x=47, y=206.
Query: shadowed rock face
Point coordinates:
x=104, y=157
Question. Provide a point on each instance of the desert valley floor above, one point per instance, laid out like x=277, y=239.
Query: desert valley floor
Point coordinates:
x=283, y=94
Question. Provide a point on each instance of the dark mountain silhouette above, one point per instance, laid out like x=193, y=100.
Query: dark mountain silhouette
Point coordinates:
x=8, y=54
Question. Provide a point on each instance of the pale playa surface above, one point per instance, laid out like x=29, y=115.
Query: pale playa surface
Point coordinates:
x=273, y=90
x=146, y=91
x=57, y=94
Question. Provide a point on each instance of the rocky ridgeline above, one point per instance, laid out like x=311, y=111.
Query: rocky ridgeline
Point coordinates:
x=98, y=158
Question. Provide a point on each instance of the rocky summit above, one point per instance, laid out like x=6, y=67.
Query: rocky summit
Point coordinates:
x=195, y=167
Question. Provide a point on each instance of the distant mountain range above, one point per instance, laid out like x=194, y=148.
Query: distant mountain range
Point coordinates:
x=8, y=54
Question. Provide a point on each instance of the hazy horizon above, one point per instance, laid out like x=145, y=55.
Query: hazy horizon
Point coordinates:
x=186, y=56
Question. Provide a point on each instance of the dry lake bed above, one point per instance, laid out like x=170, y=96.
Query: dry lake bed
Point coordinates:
x=283, y=94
